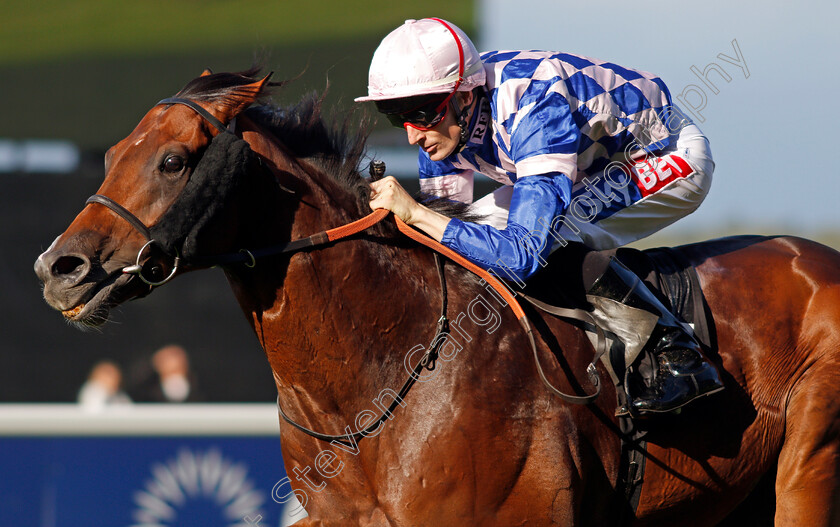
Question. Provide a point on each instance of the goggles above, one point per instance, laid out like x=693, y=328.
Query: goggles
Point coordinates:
x=421, y=112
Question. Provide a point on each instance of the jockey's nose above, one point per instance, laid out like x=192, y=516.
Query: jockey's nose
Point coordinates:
x=68, y=267
x=414, y=135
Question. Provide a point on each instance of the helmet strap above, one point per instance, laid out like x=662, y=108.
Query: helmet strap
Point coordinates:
x=461, y=116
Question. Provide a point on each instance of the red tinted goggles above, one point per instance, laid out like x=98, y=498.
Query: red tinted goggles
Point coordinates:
x=422, y=112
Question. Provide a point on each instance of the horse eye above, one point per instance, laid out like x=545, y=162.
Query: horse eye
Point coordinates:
x=173, y=164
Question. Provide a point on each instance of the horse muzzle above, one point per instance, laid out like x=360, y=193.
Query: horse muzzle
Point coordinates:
x=84, y=291
x=65, y=275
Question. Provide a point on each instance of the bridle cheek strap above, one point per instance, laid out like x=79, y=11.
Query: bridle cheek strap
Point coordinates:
x=134, y=221
x=122, y=212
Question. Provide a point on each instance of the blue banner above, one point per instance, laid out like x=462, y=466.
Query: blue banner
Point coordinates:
x=141, y=481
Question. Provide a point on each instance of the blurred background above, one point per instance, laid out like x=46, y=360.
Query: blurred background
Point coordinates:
x=75, y=77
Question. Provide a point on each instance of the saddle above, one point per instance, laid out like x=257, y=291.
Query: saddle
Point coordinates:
x=667, y=273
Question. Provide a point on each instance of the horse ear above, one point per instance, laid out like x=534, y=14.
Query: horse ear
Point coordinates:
x=206, y=72
x=240, y=97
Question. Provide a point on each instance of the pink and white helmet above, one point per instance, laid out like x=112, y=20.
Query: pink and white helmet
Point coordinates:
x=423, y=57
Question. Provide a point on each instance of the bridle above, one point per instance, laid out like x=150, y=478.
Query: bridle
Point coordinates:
x=134, y=221
x=244, y=256
x=137, y=268
x=249, y=258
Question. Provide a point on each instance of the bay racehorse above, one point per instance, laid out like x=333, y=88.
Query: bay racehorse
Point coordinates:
x=478, y=440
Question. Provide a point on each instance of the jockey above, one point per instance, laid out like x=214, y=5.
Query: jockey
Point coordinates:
x=588, y=152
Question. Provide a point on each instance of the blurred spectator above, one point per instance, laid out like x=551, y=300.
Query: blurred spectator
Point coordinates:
x=165, y=378
x=102, y=387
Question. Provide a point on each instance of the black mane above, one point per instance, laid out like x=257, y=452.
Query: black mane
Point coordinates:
x=336, y=146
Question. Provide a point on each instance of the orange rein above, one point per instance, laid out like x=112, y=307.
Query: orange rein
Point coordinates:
x=380, y=214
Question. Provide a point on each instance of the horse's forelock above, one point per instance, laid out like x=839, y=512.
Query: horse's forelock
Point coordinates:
x=222, y=86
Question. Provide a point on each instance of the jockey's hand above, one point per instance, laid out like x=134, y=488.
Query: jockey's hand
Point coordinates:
x=387, y=193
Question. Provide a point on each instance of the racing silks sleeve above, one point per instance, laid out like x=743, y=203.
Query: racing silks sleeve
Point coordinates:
x=522, y=246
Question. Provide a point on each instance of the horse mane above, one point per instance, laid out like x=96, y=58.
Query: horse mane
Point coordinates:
x=337, y=146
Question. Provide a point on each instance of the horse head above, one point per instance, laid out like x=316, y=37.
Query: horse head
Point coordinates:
x=158, y=206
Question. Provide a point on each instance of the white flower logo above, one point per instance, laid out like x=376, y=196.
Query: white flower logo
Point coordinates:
x=197, y=488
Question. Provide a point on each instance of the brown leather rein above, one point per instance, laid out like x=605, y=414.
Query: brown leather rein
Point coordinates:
x=249, y=257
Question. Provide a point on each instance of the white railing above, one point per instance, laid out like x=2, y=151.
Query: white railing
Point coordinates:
x=139, y=420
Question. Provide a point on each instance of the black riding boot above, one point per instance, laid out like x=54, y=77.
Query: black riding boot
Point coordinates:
x=684, y=372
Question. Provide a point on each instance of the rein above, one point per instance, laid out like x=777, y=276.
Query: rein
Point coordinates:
x=326, y=237
x=249, y=257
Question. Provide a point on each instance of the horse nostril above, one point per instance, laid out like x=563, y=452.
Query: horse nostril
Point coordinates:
x=69, y=265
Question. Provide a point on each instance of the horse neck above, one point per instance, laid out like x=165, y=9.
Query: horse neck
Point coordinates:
x=335, y=322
